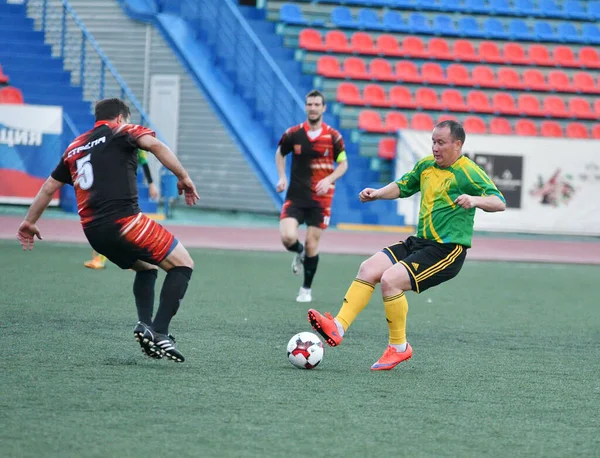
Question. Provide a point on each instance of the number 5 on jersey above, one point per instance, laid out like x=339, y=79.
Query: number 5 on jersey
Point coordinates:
x=85, y=173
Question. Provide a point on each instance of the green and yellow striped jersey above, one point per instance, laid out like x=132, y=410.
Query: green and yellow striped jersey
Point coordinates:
x=440, y=219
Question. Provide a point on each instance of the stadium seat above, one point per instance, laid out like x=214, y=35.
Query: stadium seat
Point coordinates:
x=310, y=39
x=374, y=95
x=370, y=121
x=597, y=108
x=588, y=57
x=355, y=68
x=452, y=100
x=386, y=148
x=368, y=19
x=509, y=78
x=534, y=80
x=483, y=76
x=426, y=99
x=563, y=55
x=401, y=97
x=559, y=81
x=529, y=105
x=395, y=120
x=584, y=82
x=513, y=53
x=577, y=130
x=490, y=52
x=543, y=31
x=458, y=74
x=501, y=8
x=419, y=24
x=494, y=29
x=393, y=21
x=11, y=95
x=525, y=8
x=596, y=131
x=526, y=127
x=381, y=70
x=433, y=73
x=473, y=6
x=387, y=45
x=421, y=121
x=3, y=76
x=341, y=17
x=567, y=33
x=407, y=71
x=594, y=10
x=445, y=117
x=336, y=41
x=438, y=48
x=444, y=25
x=548, y=8
x=329, y=67
x=555, y=107
x=518, y=30
x=290, y=13
x=414, y=47
x=500, y=126
x=539, y=55
x=504, y=103
x=464, y=50
x=362, y=43
x=478, y=101
x=580, y=108
x=474, y=125
x=469, y=27
x=551, y=129
x=590, y=33
x=573, y=9
x=349, y=93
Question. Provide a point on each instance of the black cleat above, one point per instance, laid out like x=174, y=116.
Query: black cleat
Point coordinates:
x=165, y=345
x=147, y=347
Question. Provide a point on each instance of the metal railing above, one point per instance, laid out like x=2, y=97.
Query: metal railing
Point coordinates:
x=240, y=52
x=82, y=56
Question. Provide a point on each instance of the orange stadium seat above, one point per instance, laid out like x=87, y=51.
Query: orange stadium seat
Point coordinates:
x=539, y=55
x=370, y=121
x=395, y=120
x=478, y=101
x=426, y=98
x=421, y=121
x=534, y=80
x=414, y=47
x=349, y=93
x=11, y=95
x=336, y=41
x=458, y=74
x=584, y=82
x=452, y=99
x=433, y=73
x=355, y=68
x=509, y=78
x=525, y=127
x=500, y=126
x=401, y=97
x=387, y=148
x=490, y=52
x=555, y=107
x=438, y=48
x=577, y=130
x=465, y=51
x=381, y=69
x=529, y=105
x=581, y=108
x=504, y=103
x=564, y=56
x=559, y=81
x=589, y=57
x=329, y=66
x=408, y=72
x=551, y=129
x=483, y=76
x=362, y=43
x=387, y=45
x=310, y=39
x=474, y=125
x=514, y=53
x=374, y=95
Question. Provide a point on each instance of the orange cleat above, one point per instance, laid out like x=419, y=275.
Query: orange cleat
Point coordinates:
x=96, y=263
x=391, y=358
x=325, y=326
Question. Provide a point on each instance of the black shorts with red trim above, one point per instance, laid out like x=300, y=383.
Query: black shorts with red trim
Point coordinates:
x=428, y=263
x=131, y=238
x=312, y=215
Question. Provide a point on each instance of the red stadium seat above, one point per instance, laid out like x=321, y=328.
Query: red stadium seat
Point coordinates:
x=458, y=74
x=500, y=126
x=490, y=52
x=349, y=93
x=311, y=40
x=525, y=127
x=474, y=125
x=387, y=45
x=337, y=41
x=401, y=97
x=478, y=101
x=329, y=67
x=445, y=117
x=464, y=50
x=362, y=43
x=539, y=55
x=421, y=121
x=564, y=56
x=3, y=76
x=555, y=107
x=426, y=98
x=597, y=107
x=529, y=105
x=580, y=108
x=370, y=121
x=483, y=76
x=438, y=48
x=559, y=81
x=584, y=82
x=534, y=80
x=355, y=68
x=504, y=103
x=551, y=129
x=395, y=120
x=407, y=71
x=452, y=100
x=509, y=78
x=414, y=47
x=596, y=131
x=387, y=148
x=514, y=53
x=577, y=130
x=433, y=73
x=11, y=95
x=589, y=57
x=381, y=69
x=374, y=95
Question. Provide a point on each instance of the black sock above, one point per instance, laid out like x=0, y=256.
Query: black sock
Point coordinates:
x=296, y=247
x=310, y=269
x=171, y=294
x=143, y=290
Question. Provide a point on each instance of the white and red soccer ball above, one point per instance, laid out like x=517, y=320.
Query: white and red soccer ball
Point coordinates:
x=305, y=350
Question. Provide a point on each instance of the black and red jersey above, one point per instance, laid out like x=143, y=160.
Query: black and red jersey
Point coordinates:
x=312, y=160
x=102, y=167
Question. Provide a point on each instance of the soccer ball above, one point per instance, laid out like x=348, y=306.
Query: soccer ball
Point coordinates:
x=305, y=350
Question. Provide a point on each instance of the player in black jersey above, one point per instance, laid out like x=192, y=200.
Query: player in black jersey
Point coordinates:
x=102, y=165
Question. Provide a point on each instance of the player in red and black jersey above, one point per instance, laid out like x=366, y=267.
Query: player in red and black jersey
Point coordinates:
x=315, y=148
x=102, y=167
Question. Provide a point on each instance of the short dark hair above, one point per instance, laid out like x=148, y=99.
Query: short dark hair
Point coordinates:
x=108, y=109
x=315, y=93
x=456, y=129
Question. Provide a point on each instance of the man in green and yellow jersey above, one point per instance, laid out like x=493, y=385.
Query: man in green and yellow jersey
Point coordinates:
x=452, y=187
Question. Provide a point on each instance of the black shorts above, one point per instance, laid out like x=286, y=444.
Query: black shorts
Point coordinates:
x=311, y=215
x=428, y=263
x=132, y=238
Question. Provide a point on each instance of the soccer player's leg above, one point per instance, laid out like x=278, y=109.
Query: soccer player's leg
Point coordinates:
x=290, y=219
x=311, y=261
x=143, y=291
x=97, y=262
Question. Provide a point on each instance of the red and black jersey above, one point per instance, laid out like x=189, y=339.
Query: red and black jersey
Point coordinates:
x=312, y=160
x=102, y=167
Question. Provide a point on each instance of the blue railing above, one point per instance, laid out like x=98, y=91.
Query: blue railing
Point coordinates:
x=239, y=52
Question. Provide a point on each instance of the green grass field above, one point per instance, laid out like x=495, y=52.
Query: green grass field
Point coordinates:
x=506, y=363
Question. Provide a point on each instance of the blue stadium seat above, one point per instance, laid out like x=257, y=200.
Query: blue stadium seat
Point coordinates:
x=448, y=5
x=429, y=5
x=368, y=19
x=342, y=17
x=394, y=22
x=543, y=31
x=291, y=14
x=473, y=6
x=519, y=30
x=418, y=23
x=525, y=7
x=408, y=4
x=591, y=33
x=594, y=10
x=549, y=8
x=567, y=33
x=469, y=27
x=494, y=28
x=501, y=7
x=444, y=25
x=573, y=9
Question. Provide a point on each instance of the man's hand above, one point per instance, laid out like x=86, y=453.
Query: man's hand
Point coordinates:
x=323, y=186
x=368, y=195
x=186, y=186
x=466, y=201
x=153, y=191
x=281, y=184
x=26, y=234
